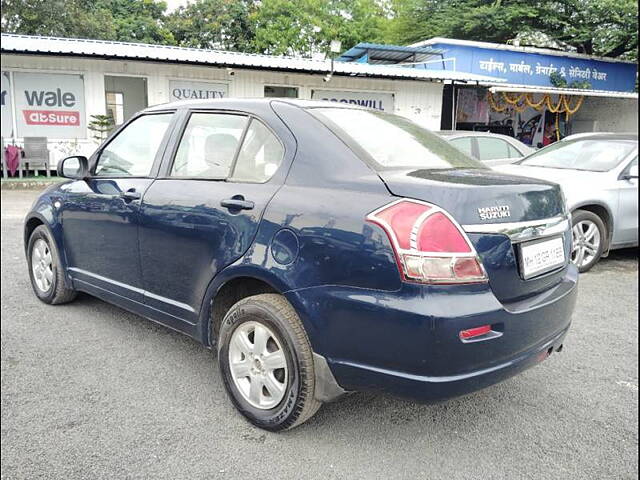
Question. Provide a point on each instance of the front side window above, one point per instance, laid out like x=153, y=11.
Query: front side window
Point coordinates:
x=209, y=145
x=132, y=152
x=589, y=154
x=260, y=155
x=492, y=148
x=391, y=141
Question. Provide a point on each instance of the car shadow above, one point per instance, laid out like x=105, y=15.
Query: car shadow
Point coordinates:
x=372, y=414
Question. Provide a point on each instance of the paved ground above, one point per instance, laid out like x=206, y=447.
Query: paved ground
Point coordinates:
x=90, y=391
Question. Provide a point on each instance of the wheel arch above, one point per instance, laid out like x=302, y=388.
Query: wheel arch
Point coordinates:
x=37, y=218
x=32, y=222
x=229, y=287
x=237, y=283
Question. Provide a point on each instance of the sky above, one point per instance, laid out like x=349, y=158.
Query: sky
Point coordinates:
x=173, y=4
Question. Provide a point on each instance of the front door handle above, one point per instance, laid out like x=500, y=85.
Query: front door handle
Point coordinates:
x=237, y=203
x=130, y=195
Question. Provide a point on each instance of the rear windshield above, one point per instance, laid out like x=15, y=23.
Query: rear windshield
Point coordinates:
x=595, y=155
x=390, y=141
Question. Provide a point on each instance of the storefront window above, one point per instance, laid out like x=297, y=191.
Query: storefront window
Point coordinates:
x=115, y=106
x=280, y=92
x=124, y=96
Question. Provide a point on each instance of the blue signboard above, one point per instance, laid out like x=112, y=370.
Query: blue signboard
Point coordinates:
x=524, y=68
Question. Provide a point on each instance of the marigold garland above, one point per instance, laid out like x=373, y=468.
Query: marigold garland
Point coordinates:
x=493, y=105
x=524, y=100
x=568, y=110
x=512, y=101
x=532, y=104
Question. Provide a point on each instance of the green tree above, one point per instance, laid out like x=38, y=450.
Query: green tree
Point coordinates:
x=600, y=27
x=288, y=27
x=306, y=27
x=100, y=126
x=136, y=20
x=123, y=20
x=221, y=24
x=58, y=18
x=355, y=21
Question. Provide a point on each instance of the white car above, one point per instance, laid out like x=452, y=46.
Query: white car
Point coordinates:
x=490, y=148
x=599, y=176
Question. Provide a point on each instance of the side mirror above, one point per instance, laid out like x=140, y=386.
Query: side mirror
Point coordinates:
x=633, y=172
x=76, y=167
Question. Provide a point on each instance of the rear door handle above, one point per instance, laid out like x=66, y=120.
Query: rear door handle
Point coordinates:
x=237, y=203
x=130, y=195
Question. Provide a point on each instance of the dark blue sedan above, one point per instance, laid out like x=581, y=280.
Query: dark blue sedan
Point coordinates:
x=319, y=248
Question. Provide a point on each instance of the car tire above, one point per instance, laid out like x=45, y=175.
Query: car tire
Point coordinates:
x=289, y=401
x=45, y=269
x=589, y=238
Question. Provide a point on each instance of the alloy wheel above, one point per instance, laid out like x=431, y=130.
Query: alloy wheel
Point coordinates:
x=586, y=243
x=258, y=365
x=42, y=265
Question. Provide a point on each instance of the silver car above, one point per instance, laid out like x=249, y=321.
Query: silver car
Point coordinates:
x=599, y=176
x=490, y=148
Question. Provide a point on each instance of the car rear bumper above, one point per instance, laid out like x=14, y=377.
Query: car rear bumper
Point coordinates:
x=407, y=342
x=432, y=388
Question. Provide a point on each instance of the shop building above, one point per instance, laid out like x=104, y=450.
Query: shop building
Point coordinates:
x=54, y=87
x=542, y=95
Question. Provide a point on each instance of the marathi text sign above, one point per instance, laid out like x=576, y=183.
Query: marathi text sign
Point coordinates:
x=185, y=90
x=529, y=68
x=376, y=101
x=50, y=105
x=7, y=107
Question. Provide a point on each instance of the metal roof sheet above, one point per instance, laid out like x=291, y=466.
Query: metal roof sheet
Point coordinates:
x=36, y=45
x=389, y=54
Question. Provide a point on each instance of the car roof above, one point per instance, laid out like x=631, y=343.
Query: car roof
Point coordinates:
x=602, y=136
x=471, y=133
x=248, y=104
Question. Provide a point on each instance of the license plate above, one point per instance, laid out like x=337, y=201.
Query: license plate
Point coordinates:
x=542, y=256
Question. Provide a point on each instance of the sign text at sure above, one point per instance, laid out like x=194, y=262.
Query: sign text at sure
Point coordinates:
x=50, y=105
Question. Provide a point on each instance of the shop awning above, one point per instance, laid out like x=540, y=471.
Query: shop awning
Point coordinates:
x=560, y=91
x=375, y=53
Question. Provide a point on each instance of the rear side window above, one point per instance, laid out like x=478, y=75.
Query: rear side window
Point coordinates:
x=260, y=155
x=209, y=145
x=465, y=144
x=492, y=148
x=132, y=152
x=390, y=141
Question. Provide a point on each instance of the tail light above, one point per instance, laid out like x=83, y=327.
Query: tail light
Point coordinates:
x=429, y=245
